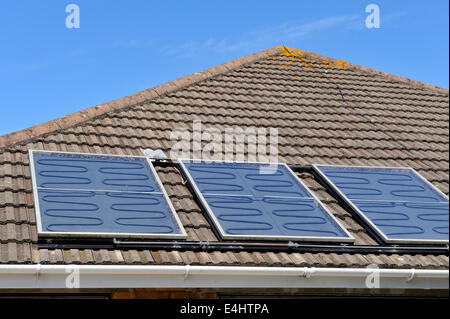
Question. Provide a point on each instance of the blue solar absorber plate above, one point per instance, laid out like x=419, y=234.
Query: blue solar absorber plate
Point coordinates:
x=89, y=195
x=398, y=203
x=249, y=203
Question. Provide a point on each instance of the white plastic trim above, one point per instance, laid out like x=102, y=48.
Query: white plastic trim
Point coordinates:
x=110, y=276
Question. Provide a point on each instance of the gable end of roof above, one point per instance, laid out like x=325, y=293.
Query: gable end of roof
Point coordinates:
x=25, y=135
x=73, y=119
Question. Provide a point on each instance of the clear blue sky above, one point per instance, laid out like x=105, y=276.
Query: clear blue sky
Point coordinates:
x=123, y=47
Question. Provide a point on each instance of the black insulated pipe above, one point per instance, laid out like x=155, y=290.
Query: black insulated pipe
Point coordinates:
x=239, y=246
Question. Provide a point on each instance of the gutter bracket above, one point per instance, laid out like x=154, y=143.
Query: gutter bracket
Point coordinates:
x=187, y=272
x=411, y=276
x=204, y=244
x=38, y=271
x=309, y=272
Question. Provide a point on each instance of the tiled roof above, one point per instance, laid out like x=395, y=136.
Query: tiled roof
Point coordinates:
x=326, y=111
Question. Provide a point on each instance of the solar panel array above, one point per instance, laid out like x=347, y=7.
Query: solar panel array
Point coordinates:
x=100, y=196
x=252, y=201
x=398, y=203
x=90, y=195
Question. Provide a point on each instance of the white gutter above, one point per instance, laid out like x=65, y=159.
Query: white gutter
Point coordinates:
x=98, y=276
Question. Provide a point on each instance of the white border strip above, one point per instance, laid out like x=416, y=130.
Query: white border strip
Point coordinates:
x=182, y=235
x=317, y=168
x=121, y=276
x=349, y=239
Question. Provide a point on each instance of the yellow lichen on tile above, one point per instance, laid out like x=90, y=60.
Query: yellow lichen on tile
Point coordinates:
x=304, y=59
x=340, y=64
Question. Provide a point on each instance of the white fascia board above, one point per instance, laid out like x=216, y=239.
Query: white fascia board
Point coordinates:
x=97, y=276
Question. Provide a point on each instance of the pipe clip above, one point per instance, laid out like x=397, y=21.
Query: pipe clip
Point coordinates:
x=204, y=244
x=291, y=244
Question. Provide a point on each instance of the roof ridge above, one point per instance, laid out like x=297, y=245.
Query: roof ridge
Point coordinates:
x=342, y=64
x=172, y=86
x=128, y=101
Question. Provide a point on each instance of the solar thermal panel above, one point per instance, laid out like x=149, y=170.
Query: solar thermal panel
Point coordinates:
x=91, y=195
x=247, y=201
x=397, y=203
